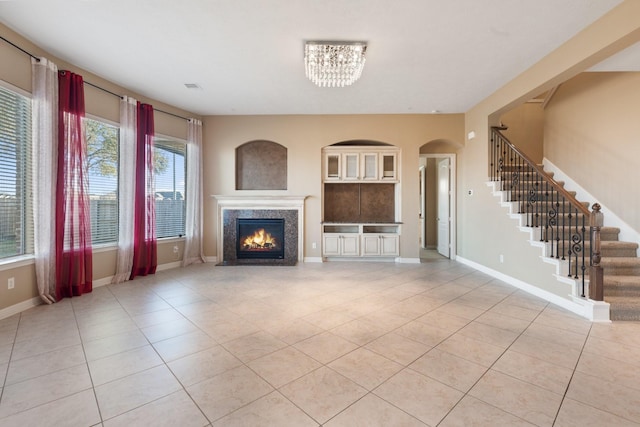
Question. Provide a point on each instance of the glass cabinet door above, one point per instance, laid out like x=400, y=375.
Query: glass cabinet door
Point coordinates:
x=351, y=167
x=370, y=166
x=332, y=166
x=388, y=164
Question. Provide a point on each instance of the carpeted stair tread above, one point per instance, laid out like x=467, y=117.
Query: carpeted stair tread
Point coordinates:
x=619, y=262
x=620, y=266
x=622, y=280
x=621, y=286
x=612, y=245
x=624, y=308
x=609, y=233
x=618, y=244
x=615, y=249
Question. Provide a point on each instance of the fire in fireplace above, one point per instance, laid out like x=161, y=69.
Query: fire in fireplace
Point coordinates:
x=260, y=238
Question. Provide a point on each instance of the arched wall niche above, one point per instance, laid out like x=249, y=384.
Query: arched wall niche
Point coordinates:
x=261, y=165
x=361, y=143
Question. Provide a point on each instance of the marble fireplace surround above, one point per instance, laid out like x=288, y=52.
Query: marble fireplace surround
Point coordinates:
x=291, y=208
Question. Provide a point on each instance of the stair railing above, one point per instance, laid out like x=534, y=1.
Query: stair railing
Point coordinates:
x=562, y=220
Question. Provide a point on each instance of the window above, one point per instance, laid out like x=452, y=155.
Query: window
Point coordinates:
x=102, y=156
x=16, y=219
x=169, y=182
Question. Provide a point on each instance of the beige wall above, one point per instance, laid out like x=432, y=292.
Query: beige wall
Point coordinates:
x=592, y=133
x=526, y=129
x=15, y=69
x=480, y=218
x=304, y=137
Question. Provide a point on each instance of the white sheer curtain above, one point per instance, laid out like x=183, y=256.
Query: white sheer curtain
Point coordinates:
x=126, y=188
x=45, y=158
x=193, y=221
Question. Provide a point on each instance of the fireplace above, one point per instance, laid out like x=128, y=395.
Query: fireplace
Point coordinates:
x=260, y=238
x=288, y=209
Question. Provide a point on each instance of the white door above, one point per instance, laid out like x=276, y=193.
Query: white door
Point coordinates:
x=444, y=197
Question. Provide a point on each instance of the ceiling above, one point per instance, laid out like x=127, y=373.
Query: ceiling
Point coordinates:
x=246, y=56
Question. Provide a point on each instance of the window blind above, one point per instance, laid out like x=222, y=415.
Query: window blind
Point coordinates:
x=102, y=157
x=169, y=182
x=16, y=223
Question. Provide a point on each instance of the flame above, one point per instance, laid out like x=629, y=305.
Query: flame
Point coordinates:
x=260, y=239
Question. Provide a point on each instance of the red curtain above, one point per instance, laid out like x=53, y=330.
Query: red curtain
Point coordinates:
x=145, y=258
x=73, y=220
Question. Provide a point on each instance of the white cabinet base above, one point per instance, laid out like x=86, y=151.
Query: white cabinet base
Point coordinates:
x=361, y=240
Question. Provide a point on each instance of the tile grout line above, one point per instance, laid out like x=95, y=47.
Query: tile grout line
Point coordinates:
x=13, y=344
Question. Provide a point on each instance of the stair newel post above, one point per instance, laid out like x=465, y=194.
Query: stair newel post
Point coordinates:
x=596, y=288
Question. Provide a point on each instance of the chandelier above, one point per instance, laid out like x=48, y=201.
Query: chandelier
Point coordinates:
x=334, y=64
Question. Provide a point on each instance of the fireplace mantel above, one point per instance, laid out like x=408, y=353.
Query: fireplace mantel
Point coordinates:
x=242, y=201
x=259, y=202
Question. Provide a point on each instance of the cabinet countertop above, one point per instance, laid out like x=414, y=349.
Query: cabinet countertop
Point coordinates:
x=360, y=223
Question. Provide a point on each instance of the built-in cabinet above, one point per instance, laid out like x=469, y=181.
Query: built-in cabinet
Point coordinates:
x=360, y=201
x=341, y=240
x=380, y=240
x=361, y=240
x=348, y=165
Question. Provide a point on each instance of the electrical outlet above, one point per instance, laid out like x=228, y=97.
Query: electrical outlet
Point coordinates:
x=313, y=245
x=175, y=249
x=11, y=283
x=501, y=258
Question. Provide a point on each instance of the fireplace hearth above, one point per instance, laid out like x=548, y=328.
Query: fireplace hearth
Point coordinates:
x=260, y=238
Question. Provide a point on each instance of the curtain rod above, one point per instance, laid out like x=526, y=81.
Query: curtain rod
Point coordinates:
x=86, y=82
x=121, y=97
x=171, y=114
x=102, y=89
x=20, y=49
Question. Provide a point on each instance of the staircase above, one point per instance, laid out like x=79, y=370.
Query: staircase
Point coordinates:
x=562, y=223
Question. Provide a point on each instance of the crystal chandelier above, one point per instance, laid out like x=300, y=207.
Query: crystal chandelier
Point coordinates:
x=334, y=64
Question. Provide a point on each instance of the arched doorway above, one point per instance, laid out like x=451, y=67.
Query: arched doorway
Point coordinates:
x=437, y=214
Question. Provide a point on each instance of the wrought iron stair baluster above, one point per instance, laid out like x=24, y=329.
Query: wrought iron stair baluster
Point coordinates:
x=544, y=202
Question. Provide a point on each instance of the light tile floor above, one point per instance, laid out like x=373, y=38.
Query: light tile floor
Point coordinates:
x=333, y=344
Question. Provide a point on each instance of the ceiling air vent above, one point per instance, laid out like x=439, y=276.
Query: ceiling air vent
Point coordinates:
x=192, y=86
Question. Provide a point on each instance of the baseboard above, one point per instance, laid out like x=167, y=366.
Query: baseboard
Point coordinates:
x=169, y=266
x=107, y=280
x=20, y=307
x=102, y=282
x=627, y=233
x=35, y=301
x=213, y=259
x=313, y=259
x=585, y=308
x=402, y=260
x=360, y=259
